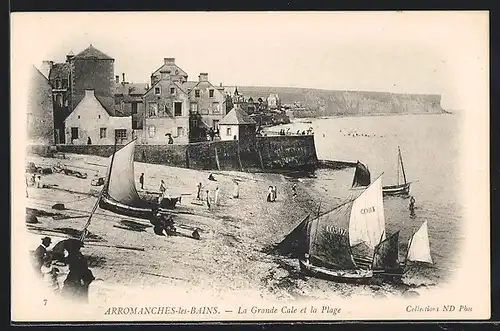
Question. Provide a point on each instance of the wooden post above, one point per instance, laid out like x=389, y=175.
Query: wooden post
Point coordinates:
x=217, y=158
x=260, y=158
x=239, y=157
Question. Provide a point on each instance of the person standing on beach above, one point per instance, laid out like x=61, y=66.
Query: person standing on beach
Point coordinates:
x=236, y=192
x=412, y=206
x=40, y=255
x=270, y=194
x=163, y=188
x=141, y=181
x=76, y=284
x=208, y=199
x=294, y=190
x=198, y=192
x=274, y=193
x=217, y=196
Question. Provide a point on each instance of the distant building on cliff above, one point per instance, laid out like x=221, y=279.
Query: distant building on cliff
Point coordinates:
x=91, y=123
x=237, y=125
x=273, y=101
x=40, y=110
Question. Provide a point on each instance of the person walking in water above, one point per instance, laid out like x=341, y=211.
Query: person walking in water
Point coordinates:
x=141, y=181
x=412, y=206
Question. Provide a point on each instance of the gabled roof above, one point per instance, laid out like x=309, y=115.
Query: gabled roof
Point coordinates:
x=237, y=116
x=92, y=53
x=59, y=70
x=180, y=86
x=174, y=69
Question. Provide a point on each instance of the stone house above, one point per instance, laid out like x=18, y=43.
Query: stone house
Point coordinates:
x=90, y=120
x=273, y=101
x=129, y=101
x=166, y=115
x=40, y=110
x=171, y=69
x=237, y=125
x=207, y=100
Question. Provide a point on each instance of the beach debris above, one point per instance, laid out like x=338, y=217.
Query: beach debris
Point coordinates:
x=59, y=206
x=97, y=181
x=196, y=234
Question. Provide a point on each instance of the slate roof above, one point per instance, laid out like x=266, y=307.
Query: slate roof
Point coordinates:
x=59, y=70
x=130, y=88
x=92, y=53
x=237, y=116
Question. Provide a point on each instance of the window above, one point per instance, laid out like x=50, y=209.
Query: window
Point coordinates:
x=197, y=93
x=102, y=133
x=117, y=101
x=177, y=108
x=216, y=108
x=194, y=108
x=180, y=131
x=59, y=100
x=228, y=132
x=58, y=84
x=216, y=124
x=211, y=93
x=134, y=107
x=172, y=90
x=64, y=83
x=152, y=131
x=99, y=116
x=74, y=133
x=120, y=135
x=153, y=109
x=78, y=116
x=204, y=111
x=157, y=90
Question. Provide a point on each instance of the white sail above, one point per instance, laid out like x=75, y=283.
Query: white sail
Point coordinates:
x=419, y=248
x=367, y=220
x=122, y=180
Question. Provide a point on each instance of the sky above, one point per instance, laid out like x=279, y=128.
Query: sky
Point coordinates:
x=442, y=53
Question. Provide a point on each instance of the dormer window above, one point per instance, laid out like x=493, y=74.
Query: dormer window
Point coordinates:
x=197, y=93
x=157, y=91
x=211, y=93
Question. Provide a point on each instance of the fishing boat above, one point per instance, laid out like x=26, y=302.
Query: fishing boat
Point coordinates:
x=339, y=245
x=400, y=188
x=386, y=258
x=362, y=177
x=119, y=194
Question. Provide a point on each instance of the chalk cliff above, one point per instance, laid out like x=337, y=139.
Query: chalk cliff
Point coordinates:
x=328, y=102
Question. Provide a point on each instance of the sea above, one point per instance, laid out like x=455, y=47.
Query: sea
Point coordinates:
x=430, y=148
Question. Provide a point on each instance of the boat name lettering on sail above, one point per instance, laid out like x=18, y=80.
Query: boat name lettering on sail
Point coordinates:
x=337, y=231
x=367, y=210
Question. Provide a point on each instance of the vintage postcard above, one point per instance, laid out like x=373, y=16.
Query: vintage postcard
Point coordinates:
x=244, y=166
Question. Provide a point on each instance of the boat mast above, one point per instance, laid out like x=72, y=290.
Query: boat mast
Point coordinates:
x=408, y=250
x=398, y=166
x=402, y=165
x=104, y=188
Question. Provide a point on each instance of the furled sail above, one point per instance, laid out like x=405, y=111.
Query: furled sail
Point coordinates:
x=121, y=179
x=419, y=247
x=386, y=256
x=367, y=219
x=361, y=176
x=329, y=239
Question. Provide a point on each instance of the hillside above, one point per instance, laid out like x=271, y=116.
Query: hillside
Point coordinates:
x=327, y=102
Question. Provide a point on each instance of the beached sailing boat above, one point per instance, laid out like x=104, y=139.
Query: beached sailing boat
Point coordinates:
x=362, y=177
x=119, y=194
x=386, y=257
x=400, y=188
x=339, y=245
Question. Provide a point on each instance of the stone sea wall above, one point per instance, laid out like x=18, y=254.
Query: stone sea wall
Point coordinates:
x=263, y=154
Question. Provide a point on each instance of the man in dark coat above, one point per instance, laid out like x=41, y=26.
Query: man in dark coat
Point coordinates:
x=76, y=284
x=141, y=181
x=40, y=255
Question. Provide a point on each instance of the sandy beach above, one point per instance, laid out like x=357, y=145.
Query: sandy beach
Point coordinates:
x=229, y=258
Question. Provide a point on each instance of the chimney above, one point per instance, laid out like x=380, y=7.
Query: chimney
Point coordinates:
x=117, y=79
x=123, y=77
x=69, y=56
x=89, y=93
x=203, y=77
x=220, y=84
x=169, y=60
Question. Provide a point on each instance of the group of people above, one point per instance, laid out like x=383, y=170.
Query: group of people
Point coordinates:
x=216, y=199
x=65, y=253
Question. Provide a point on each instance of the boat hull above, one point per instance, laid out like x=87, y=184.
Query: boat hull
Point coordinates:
x=402, y=189
x=109, y=204
x=344, y=276
x=394, y=275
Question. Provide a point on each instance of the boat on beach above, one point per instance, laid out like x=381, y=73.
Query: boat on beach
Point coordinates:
x=339, y=245
x=386, y=258
x=119, y=194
